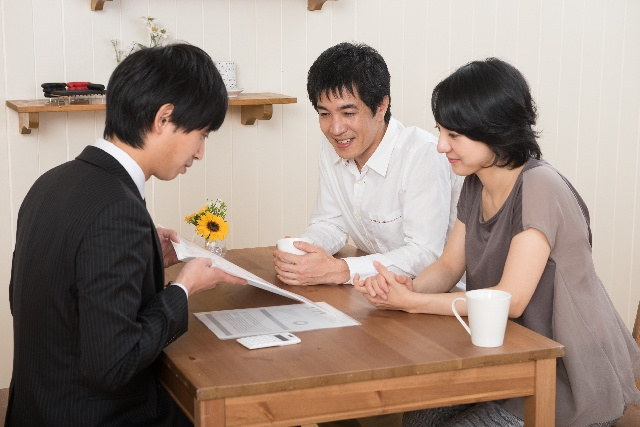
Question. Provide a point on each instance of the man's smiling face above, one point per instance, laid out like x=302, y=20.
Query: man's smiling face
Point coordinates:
x=351, y=127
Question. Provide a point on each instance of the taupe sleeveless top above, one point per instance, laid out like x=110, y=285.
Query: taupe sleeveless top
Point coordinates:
x=596, y=378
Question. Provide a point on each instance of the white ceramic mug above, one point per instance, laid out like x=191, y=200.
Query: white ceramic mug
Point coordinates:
x=488, y=311
x=227, y=70
x=286, y=245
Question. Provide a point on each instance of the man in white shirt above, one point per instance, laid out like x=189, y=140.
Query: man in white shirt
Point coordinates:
x=381, y=184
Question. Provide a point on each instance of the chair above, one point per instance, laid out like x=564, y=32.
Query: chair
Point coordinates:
x=636, y=335
x=631, y=417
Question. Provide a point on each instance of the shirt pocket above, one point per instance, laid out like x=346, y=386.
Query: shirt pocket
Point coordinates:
x=386, y=229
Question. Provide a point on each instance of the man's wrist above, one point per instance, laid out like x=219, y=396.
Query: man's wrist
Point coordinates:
x=181, y=286
x=344, y=274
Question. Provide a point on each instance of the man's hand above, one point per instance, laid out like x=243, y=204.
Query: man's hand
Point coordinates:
x=197, y=275
x=168, y=253
x=316, y=267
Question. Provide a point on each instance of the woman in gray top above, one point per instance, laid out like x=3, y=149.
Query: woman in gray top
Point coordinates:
x=521, y=228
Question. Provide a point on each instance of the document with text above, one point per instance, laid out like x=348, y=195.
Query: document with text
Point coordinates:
x=238, y=323
x=187, y=251
x=227, y=324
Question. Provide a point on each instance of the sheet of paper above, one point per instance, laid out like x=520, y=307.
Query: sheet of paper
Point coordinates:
x=227, y=324
x=187, y=250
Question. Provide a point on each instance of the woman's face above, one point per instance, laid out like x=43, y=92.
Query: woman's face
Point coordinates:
x=465, y=155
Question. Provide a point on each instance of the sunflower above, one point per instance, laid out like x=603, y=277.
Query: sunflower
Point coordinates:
x=212, y=227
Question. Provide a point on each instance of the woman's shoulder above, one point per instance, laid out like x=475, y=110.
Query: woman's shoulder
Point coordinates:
x=540, y=172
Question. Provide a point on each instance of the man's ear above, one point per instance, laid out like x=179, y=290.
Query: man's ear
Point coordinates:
x=163, y=118
x=382, y=108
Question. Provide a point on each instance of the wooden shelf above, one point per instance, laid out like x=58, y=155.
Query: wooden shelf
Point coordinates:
x=253, y=106
x=311, y=4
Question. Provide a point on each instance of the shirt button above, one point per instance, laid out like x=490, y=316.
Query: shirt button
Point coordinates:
x=357, y=215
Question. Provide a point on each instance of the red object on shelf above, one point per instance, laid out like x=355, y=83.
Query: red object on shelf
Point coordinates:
x=77, y=85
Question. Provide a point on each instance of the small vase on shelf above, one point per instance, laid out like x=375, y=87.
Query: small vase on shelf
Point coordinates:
x=218, y=247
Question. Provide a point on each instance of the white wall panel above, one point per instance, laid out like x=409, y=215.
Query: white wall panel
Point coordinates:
x=292, y=192
x=625, y=187
x=106, y=26
x=368, y=22
x=527, y=55
x=414, y=95
x=506, y=29
x=6, y=215
x=630, y=122
x=391, y=47
x=580, y=57
x=608, y=150
x=589, y=102
x=438, y=64
x=318, y=39
x=343, y=20
x=245, y=138
x=569, y=88
x=269, y=138
x=484, y=29
x=548, y=83
x=50, y=54
x=77, y=50
x=461, y=32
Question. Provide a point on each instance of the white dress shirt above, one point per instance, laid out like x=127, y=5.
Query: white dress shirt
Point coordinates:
x=399, y=209
x=133, y=169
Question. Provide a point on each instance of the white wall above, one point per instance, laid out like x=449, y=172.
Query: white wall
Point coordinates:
x=582, y=59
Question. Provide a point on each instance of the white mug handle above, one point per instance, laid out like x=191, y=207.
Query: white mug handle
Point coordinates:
x=453, y=307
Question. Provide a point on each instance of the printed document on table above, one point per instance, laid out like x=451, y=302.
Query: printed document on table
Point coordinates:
x=187, y=250
x=227, y=324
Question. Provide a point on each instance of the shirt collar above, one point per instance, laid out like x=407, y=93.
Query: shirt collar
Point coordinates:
x=133, y=169
x=379, y=160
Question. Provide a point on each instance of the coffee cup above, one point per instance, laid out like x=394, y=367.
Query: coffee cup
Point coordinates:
x=227, y=71
x=488, y=312
x=286, y=245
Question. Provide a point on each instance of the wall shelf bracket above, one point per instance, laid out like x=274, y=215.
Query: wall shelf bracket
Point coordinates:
x=315, y=4
x=28, y=121
x=97, y=4
x=250, y=113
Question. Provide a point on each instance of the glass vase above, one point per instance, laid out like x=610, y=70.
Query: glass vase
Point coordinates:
x=218, y=247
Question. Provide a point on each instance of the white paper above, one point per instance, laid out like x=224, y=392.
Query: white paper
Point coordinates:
x=187, y=251
x=227, y=324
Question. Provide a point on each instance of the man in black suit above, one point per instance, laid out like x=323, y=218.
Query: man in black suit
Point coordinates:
x=90, y=308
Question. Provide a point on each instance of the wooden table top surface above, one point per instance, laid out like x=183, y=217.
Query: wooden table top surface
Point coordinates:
x=387, y=344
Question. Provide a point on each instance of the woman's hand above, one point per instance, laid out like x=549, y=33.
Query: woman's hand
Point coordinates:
x=378, y=285
x=386, y=290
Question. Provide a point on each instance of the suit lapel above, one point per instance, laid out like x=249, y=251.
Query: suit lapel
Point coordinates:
x=106, y=161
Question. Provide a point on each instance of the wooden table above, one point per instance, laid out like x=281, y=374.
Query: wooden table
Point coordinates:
x=393, y=362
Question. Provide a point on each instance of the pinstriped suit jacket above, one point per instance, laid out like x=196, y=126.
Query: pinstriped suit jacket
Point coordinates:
x=89, y=306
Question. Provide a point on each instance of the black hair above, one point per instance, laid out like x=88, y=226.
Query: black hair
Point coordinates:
x=350, y=66
x=179, y=74
x=490, y=101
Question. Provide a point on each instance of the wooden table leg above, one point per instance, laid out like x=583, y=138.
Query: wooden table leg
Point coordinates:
x=209, y=413
x=540, y=409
